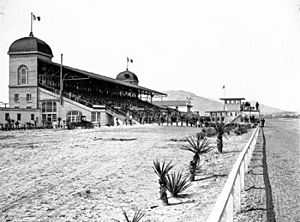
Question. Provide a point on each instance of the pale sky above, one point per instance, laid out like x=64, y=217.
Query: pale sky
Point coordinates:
x=252, y=47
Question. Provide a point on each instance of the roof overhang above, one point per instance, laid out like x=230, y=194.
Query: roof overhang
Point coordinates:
x=105, y=78
x=232, y=98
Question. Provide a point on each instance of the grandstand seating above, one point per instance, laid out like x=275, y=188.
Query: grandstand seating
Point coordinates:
x=142, y=111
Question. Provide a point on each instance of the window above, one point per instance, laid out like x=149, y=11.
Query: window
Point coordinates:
x=16, y=97
x=28, y=97
x=50, y=117
x=49, y=111
x=32, y=117
x=49, y=106
x=22, y=75
x=19, y=116
x=95, y=116
x=28, y=107
x=7, y=116
x=73, y=116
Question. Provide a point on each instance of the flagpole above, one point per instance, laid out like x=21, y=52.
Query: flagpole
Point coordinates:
x=61, y=79
x=31, y=33
x=127, y=64
x=224, y=96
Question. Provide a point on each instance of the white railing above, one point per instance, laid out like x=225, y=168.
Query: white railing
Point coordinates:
x=229, y=200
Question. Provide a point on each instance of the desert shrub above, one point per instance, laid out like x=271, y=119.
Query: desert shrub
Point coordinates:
x=231, y=127
x=197, y=146
x=241, y=129
x=209, y=131
x=138, y=215
x=83, y=124
x=177, y=183
x=201, y=135
x=221, y=129
x=161, y=170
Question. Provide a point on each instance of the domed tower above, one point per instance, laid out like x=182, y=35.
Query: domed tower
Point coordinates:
x=128, y=76
x=23, y=67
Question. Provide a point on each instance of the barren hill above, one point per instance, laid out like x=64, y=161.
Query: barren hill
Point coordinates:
x=203, y=104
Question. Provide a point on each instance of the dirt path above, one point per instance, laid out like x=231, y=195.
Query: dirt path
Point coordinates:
x=283, y=160
x=272, y=186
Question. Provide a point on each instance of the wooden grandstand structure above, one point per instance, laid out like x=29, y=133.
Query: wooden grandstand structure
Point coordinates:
x=44, y=92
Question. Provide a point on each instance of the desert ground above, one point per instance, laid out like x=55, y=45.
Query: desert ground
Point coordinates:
x=91, y=175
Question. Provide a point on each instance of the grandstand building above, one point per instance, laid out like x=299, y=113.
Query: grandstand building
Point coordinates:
x=42, y=92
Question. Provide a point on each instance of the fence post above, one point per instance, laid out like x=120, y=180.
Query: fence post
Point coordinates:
x=237, y=189
x=246, y=162
x=229, y=209
x=242, y=175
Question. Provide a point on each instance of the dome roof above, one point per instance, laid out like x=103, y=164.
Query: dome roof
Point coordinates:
x=128, y=77
x=30, y=44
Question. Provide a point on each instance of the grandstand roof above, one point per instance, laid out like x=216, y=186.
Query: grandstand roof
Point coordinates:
x=232, y=98
x=170, y=103
x=104, y=78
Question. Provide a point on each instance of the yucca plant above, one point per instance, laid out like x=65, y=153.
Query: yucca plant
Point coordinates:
x=197, y=146
x=138, y=215
x=221, y=129
x=161, y=170
x=177, y=183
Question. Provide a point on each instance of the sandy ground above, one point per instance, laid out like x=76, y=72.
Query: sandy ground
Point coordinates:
x=273, y=183
x=86, y=175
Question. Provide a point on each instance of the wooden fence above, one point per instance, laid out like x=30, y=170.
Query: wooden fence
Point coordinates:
x=229, y=200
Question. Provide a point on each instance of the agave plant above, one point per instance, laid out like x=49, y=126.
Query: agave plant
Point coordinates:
x=177, y=183
x=138, y=215
x=197, y=146
x=162, y=169
x=221, y=129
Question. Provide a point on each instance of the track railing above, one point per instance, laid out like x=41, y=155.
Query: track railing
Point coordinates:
x=229, y=200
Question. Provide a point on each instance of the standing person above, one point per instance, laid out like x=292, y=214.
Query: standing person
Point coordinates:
x=263, y=122
x=127, y=118
x=130, y=119
x=256, y=105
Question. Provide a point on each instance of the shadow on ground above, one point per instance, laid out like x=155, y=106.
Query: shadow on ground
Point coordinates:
x=257, y=202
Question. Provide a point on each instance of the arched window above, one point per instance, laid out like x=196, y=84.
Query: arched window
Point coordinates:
x=22, y=75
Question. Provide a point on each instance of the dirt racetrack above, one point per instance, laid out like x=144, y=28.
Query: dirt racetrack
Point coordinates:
x=273, y=183
x=88, y=175
x=283, y=160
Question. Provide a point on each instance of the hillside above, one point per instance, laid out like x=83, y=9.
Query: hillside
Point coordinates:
x=203, y=104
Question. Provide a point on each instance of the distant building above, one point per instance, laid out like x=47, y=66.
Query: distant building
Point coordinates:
x=180, y=105
x=231, y=109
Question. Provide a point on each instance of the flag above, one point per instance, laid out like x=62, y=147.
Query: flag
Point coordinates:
x=36, y=17
x=129, y=60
